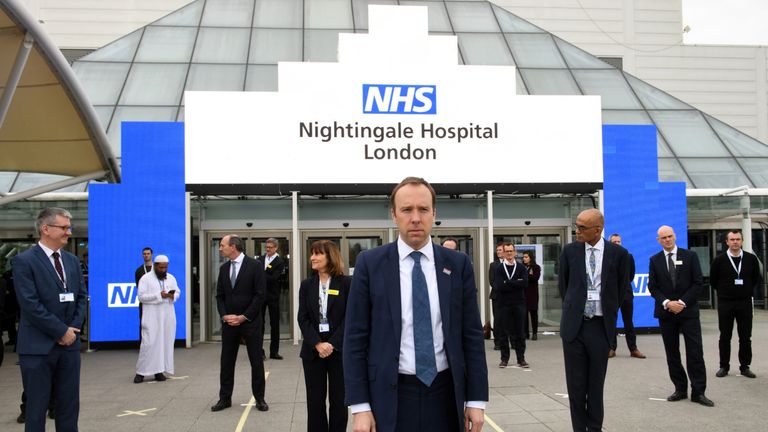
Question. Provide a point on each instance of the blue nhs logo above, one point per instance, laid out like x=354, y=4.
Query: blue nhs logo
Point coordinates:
x=640, y=285
x=122, y=295
x=399, y=99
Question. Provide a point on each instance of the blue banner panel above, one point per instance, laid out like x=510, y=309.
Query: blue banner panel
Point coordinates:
x=637, y=204
x=146, y=209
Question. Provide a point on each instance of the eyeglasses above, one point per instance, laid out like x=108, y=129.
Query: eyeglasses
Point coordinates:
x=66, y=228
x=583, y=228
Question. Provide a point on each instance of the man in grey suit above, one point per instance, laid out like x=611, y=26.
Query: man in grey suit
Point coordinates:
x=51, y=293
x=593, y=274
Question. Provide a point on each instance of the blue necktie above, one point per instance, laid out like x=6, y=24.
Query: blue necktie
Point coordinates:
x=426, y=368
x=233, y=274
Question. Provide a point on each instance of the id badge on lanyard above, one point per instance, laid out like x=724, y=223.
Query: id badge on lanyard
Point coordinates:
x=738, y=280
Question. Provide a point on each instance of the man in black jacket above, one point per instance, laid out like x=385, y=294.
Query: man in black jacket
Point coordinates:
x=674, y=280
x=510, y=281
x=735, y=275
x=273, y=268
x=240, y=294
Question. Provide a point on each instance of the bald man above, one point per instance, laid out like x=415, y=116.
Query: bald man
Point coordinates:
x=674, y=280
x=592, y=280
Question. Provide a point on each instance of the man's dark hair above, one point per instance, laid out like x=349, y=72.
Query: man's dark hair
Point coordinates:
x=735, y=231
x=614, y=235
x=237, y=242
x=147, y=249
x=411, y=181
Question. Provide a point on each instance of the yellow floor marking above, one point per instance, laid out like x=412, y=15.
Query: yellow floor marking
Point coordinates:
x=492, y=424
x=251, y=403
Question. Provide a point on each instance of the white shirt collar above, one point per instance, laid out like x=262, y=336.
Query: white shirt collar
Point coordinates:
x=239, y=259
x=673, y=251
x=741, y=253
x=48, y=251
x=404, y=251
x=600, y=245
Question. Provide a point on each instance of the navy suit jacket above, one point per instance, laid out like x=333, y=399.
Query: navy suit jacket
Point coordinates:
x=45, y=319
x=373, y=326
x=688, y=283
x=572, y=282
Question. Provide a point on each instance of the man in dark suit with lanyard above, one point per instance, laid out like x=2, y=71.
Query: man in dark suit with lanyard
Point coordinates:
x=414, y=356
x=510, y=282
x=273, y=268
x=674, y=280
x=240, y=294
x=592, y=279
x=51, y=293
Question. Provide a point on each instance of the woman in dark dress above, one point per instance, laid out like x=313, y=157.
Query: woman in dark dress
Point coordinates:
x=322, y=306
x=532, y=294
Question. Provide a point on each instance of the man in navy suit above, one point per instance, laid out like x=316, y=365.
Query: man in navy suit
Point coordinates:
x=674, y=280
x=51, y=293
x=593, y=275
x=413, y=345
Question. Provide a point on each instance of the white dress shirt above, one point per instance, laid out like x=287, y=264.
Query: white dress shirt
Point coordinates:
x=599, y=249
x=49, y=252
x=666, y=262
x=238, y=263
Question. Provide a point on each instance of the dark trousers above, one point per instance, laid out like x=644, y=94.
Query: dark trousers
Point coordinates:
x=533, y=316
x=671, y=328
x=230, y=344
x=325, y=377
x=727, y=312
x=273, y=306
x=61, y=366
x=427, y=409
x=512, y=320
x=9, y=324
x=496, y=322
x=627, y=307
x=586, y=361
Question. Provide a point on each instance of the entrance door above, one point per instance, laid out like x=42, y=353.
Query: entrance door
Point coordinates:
x=255, y=242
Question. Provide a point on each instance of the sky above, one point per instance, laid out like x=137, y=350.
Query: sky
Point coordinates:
x=726, y=22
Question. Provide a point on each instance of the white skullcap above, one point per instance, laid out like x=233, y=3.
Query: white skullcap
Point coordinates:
x=161, y=259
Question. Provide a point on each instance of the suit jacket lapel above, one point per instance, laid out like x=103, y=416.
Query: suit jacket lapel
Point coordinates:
x=40, y=253
x=443, y=287
x=391, y=269
x=604, y=265
x=581, y=257
x=333, y=284
x=314, y=298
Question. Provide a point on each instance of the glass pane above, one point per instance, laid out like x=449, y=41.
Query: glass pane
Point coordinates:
x=219, y=45
x=167, y=44
x=610, y=85
x=102, y=81
x=654, y=98
x=520, y=87
x=715, y=173
x=688, y=134
x=437, y=15
x=757, y=170
x=261, y=78
x=739, y=143
x=357, y=245
x=662, y=148
x=104, y=113
x=472, y=17
x=670, y=171
x=577, y=58
x=207, y=77
x=6, y=180
x=28, y=180
x=136, y=114
x=627, y=117
x=278, y=13
x=122, y=49
x=360, y=10
x=327, y=14
x=484, y=49
x=189, y=15
x=550, y=82
x=268, y=46
x=321, y=45
x=227, y=13
x=154, y=84
x=549, y=297
x=535, y=50
x=512, y=24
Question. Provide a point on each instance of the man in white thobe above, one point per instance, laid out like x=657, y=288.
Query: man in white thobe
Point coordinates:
x=158, y=291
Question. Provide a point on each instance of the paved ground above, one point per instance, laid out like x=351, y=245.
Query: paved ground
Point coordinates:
x=521, y=400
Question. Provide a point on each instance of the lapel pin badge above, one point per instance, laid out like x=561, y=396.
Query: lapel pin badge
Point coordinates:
x=447, y=271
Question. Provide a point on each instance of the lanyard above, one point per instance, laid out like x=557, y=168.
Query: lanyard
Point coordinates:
x=514, y=267
x=324, y=301
x=730, y=258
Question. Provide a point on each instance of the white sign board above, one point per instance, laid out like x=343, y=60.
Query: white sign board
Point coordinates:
x=396, y=104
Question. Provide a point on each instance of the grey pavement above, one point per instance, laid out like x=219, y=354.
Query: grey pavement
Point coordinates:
x=520, y=400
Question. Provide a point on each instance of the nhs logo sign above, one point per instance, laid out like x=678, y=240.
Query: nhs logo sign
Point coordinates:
x=122, y=295
x=399, y=99
x=640, y=285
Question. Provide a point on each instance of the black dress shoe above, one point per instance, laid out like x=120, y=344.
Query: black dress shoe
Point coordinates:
x=535, y=337
x=748, y=373
x=138, y=379
x=261, y=405
x=703, y=400
x=160, y=377
x=221, y=404
x=721, y=372
x=275, y=356
x=676, y=396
